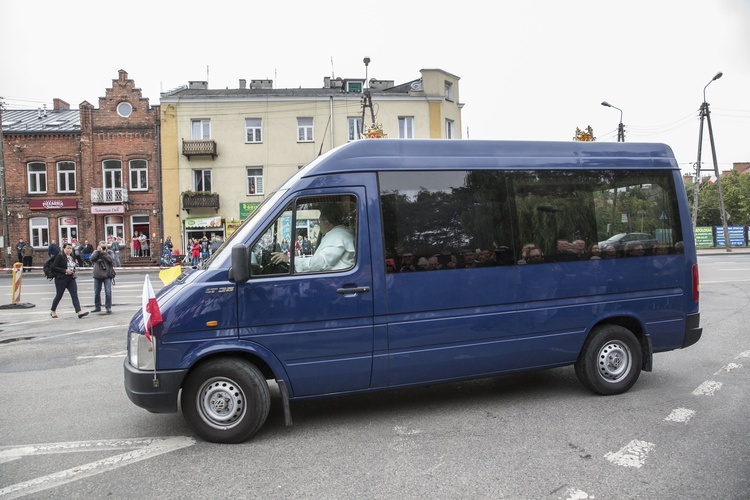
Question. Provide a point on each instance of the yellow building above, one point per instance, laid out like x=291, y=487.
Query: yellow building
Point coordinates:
x=224, y=150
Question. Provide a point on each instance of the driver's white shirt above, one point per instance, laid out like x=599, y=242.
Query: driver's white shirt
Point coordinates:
x=335, y=251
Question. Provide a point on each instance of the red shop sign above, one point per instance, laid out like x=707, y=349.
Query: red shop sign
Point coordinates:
x=53, y=204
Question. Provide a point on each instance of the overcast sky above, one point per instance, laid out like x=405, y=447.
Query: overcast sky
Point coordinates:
x=533, y=69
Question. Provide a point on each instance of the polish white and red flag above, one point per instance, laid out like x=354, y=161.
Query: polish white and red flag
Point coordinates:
x=151, y=312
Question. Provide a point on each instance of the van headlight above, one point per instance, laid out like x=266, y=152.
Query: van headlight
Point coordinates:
x=141, y=352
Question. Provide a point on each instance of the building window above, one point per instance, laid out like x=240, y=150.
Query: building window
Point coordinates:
x=355, y=128
x=304, y=130
x=39, y=229
x=406, y=127
x=37, y=177
x=449, y=132
x=68, y=227
x=253, y=130
x=449, y=90
x=254, y=180
x=66, y=177
x=138, y=175
x=355, y=87
x=201, y=129
x=124, y=109
x=202, y=180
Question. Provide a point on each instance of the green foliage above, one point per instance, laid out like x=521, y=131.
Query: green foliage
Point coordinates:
x=734, y=188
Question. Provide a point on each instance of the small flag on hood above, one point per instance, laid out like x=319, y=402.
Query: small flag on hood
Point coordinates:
x=151, y=312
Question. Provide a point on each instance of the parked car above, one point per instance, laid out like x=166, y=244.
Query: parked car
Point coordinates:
x=621, y=239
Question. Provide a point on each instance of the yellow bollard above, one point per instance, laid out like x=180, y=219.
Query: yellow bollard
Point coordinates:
x=16, y=289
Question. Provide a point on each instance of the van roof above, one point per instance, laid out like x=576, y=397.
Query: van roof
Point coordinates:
x=442, y=154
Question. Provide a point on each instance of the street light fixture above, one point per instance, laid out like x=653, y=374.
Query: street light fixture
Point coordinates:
x=705, y=114
x=620, y=127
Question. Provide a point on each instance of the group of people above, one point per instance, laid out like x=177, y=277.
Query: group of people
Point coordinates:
x=141, y=246
x=64, y=266
x=565, y=251
x=201, y=249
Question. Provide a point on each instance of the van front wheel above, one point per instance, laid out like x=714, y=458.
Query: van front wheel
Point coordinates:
x=610, y=361
x=226, y=401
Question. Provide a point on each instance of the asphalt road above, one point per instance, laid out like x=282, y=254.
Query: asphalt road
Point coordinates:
x=67, y=430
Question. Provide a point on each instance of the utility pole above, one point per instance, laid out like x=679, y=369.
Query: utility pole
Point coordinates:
x=3, y=193
x=705, y=115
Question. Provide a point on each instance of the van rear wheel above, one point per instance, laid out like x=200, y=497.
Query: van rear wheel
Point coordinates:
x=610, y=361
x=226, y=401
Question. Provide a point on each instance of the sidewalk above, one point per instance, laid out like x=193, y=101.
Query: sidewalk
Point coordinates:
x=723, y=251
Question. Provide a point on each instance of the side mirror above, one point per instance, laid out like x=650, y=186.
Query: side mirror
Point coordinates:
x=240, y=270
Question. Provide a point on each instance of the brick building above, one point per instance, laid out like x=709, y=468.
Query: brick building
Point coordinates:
x=86, y=174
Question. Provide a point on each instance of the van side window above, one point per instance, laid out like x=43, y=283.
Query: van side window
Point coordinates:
x=445, y=220
x=583, y=214
x=468, y=219
x=312, y=234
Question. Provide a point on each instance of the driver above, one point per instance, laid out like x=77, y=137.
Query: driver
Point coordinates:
x=335, y=249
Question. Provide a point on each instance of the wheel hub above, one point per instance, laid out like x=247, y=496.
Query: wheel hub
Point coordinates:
x=614, y=361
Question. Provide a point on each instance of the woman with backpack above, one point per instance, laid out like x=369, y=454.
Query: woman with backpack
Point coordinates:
x=64, y=269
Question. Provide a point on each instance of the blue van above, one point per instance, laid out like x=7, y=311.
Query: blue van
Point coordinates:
x=432, y=261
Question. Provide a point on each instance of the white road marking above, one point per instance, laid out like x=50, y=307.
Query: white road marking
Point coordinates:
x=576, y=494
x=100, y=356
x=139, y=449
x=632, y=455
x=745, y=354
x=707, y=388
x=728, y=368
x=680, y=415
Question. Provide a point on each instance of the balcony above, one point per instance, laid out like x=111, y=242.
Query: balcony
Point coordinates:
x=192, y=200
x=109, y=195
x=199, y=148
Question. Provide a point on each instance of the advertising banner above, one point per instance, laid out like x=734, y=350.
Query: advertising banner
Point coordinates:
x=704, y=237
x=736, y=236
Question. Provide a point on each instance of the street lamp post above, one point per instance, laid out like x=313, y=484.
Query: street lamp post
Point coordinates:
x=620, y=127
x=705, y=115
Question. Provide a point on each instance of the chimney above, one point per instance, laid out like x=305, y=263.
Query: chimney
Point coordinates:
x=261, y=84
x=243, y=83
x=326, y=82
x=200, y=85
x=58, y=104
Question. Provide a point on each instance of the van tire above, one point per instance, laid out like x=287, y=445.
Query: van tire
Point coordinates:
x=226, y=400
x=610, y=361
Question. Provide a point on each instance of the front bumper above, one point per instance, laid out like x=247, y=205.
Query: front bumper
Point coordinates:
x=139, y=386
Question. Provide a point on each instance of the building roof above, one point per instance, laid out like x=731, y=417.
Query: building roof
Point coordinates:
x=36, y=121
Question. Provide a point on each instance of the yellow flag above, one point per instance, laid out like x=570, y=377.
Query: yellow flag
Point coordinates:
x=170, y=274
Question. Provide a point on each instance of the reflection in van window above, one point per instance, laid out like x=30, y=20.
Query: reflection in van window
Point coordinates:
x=471, y=219
x=313, y=234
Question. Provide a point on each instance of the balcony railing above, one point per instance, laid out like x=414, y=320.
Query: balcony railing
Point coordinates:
x=109, y=195
x=191, y=202
x=199, y=148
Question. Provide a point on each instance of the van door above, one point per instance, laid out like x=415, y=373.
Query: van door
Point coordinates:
x=314, y=312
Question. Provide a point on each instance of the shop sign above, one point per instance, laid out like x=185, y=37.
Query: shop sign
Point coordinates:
x=107, y=209
x=248, y=208
x=201, y=222
x=54, y=204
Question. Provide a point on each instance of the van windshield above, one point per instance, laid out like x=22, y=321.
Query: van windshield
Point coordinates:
x=240, y=235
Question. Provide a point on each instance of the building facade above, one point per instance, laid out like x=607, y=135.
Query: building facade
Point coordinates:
x=85, y=174
x=224, y=150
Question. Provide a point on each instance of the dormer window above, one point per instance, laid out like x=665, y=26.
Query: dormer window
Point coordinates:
x=354, y=87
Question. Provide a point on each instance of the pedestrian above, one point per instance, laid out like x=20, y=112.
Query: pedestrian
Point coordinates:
x=78, y=253
x=27, y=254
x=102, y=261
x=195, y=252
x=64, y=267
x=144, y=245
x=19, y=249
x=115, y=247
x=215, y=244
x=53, y=249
